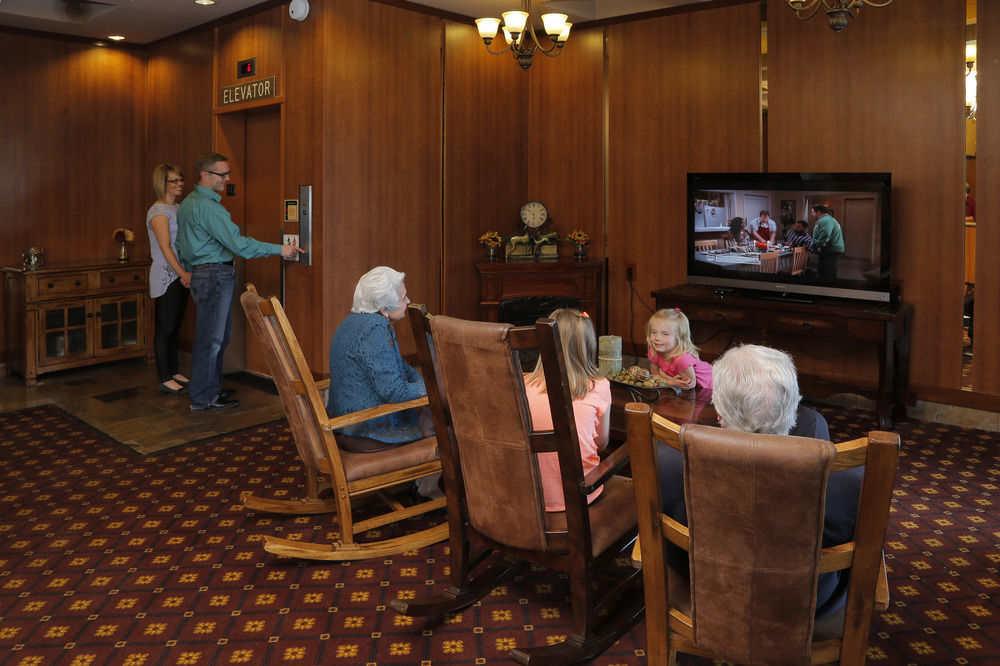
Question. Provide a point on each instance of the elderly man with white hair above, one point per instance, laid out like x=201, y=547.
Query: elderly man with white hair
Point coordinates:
x=367, y=369
x=756, y=389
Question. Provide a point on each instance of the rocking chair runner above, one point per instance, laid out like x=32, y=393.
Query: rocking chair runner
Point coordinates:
x=349, y=475
x=495, y=502
x=755, y=507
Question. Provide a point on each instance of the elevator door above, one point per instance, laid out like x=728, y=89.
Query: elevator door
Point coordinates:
x=263, y=216
x=252, y=142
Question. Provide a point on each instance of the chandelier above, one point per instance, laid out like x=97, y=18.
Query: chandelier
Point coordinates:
x=516, y=25
x=838, y=10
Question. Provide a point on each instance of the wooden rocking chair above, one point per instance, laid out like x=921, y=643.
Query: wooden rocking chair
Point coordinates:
x=349, y=475
x=495, y=499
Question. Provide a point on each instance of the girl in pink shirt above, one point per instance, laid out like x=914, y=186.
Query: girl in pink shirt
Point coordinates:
x=672, y=356
x=591, y=403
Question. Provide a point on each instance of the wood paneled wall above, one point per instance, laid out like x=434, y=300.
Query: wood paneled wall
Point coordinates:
x=382, y=142
x=886, y=94
x=566, y=141
x=684, y=96
x=72, y=138
x=486, y=155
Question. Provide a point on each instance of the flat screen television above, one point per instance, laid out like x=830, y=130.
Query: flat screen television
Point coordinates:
x=859, y=202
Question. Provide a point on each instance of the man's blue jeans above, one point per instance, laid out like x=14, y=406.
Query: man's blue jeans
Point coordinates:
x=212, y=288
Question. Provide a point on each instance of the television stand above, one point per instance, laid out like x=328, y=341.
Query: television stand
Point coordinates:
x=785, y=298
x=839, y=346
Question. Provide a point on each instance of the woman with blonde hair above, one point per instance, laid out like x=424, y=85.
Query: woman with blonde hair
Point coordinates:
x=168, y=281
x=591, y=402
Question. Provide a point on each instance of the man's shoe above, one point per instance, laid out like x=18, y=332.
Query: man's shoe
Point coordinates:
x=227, y=393
x=220, y=403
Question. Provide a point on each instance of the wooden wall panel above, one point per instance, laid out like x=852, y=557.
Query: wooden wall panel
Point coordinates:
x=566, y=136
x=258, y=36
x=684, y=96
x=178, y=113
x=886, y=95
x=986, y=354
x=73, y=146
x=305, y=60
x=382, y=145
x=486, y=153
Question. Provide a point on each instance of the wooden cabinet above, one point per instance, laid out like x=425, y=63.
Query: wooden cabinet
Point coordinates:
x=838, y=346
x=69, y=315
x=502, y=282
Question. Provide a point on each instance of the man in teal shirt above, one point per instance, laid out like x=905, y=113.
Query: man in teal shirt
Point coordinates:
x=828, y=240
x=207, y=242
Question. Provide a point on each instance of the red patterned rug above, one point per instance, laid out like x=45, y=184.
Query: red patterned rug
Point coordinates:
x=112, y=558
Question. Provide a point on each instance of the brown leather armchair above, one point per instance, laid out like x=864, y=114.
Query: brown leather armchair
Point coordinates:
x=496, y=509
x=755, y=506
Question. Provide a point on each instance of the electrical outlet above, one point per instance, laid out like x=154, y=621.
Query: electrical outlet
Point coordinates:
x=630, y=272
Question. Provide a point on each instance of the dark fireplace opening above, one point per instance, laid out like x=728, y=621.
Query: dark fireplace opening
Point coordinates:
x=525, y=310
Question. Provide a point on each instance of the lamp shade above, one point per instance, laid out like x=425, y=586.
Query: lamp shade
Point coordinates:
x=488, y=27
x=515, y=21
x=553, y=24
x=564, y=34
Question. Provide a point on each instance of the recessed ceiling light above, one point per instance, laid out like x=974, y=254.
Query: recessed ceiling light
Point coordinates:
x=204, y=2
x=116, y=38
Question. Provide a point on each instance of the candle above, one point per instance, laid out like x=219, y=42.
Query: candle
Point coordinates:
x=609, y=354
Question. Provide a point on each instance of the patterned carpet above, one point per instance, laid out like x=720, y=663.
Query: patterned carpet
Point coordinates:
x=112, y=558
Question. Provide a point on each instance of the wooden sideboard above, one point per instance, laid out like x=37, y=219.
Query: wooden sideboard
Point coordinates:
x=502, y=281
x=838, y=346
x=74, y=314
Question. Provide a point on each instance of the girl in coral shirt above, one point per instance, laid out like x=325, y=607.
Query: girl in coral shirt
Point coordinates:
x=591, y=403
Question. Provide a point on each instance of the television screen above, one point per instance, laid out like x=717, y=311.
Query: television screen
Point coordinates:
x=796, y=234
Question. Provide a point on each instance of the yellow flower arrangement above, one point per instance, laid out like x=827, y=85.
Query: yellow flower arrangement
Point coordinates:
x=123, y=235
x=491, y=239
x=579, y=237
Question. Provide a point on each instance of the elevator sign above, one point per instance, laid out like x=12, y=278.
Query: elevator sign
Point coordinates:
x=248, y=91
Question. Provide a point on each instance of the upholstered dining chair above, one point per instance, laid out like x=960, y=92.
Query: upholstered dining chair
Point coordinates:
x=496, y=509
x=799, y=257
x=769, y=262
x=755, y=509
x=345, y=476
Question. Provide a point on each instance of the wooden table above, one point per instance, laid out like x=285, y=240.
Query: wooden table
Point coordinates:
x=694, y=406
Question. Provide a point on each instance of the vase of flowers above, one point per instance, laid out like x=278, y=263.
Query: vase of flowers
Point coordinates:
x=581, y=240
x=491, y=241
x=123, y=236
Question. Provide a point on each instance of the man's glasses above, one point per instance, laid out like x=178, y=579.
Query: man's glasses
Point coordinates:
x=216, y=173
x=175, y=180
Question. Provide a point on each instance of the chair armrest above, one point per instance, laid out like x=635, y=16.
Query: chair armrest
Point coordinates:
x=371, y=413
x=882, y=588
x=607, y=467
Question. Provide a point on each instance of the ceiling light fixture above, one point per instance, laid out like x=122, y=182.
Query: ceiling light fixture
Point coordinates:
x=204, y=2
x=116, y=38
x=516, y=24
x=838, y=10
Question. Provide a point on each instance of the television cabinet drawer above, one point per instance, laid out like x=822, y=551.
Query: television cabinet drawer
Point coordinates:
x=813, y=324
x=719, y=314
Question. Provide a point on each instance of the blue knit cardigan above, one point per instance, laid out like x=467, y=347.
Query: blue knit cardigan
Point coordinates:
x=367, y=370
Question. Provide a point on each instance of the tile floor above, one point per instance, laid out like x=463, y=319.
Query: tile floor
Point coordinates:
x=122, y=400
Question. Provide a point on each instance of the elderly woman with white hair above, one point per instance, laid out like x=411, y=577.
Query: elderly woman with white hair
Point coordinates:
x=367, y=369
x=756, y=389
